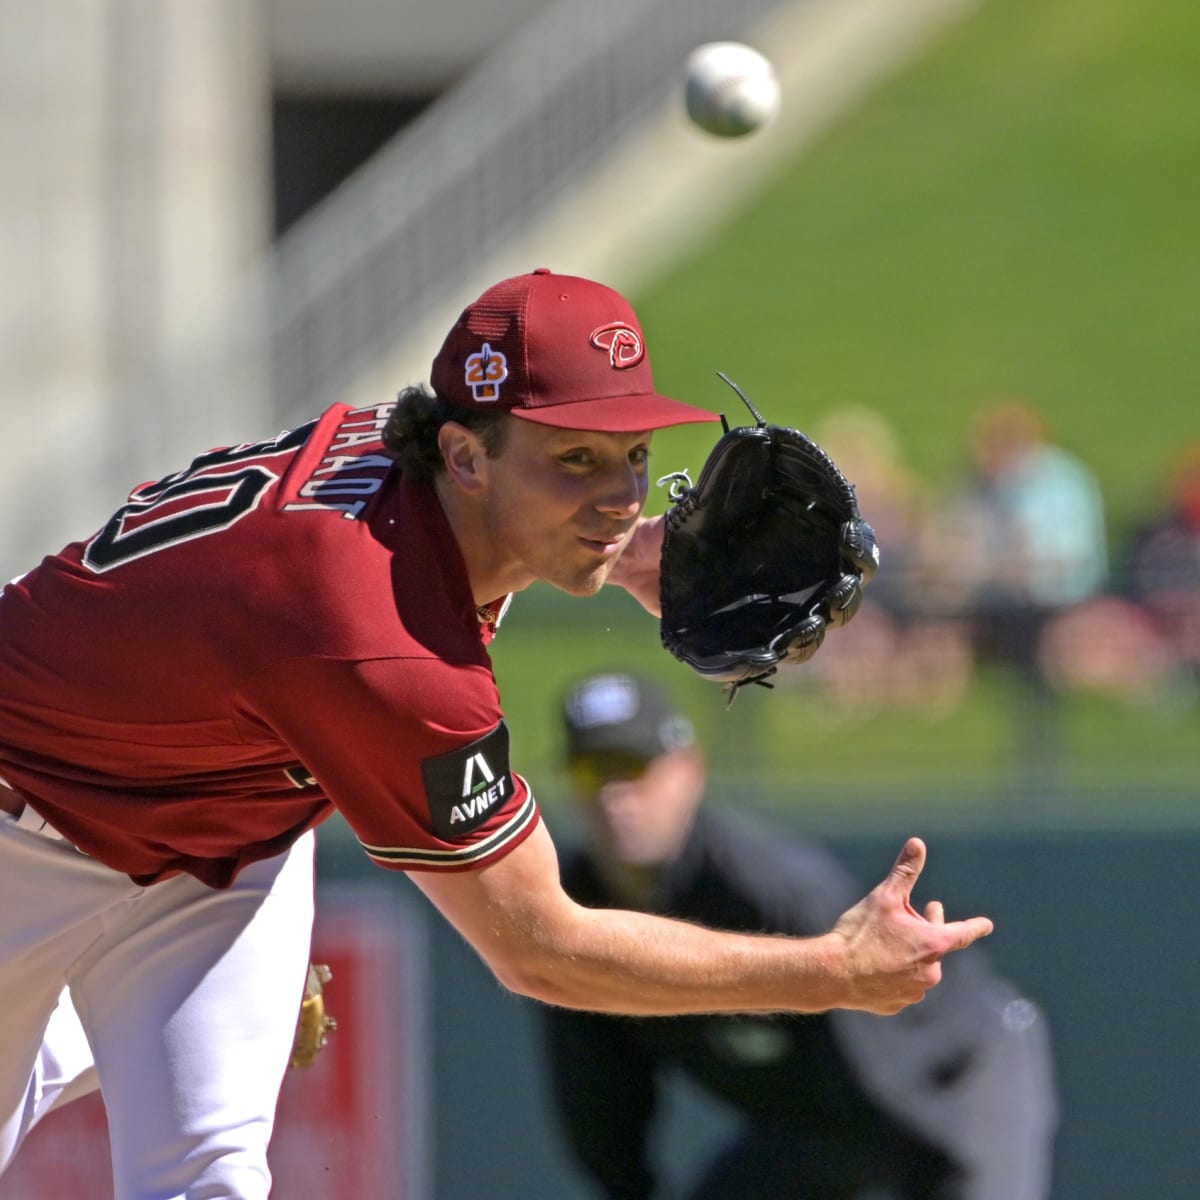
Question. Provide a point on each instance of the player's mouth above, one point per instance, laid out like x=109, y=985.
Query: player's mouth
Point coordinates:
x=605, y=547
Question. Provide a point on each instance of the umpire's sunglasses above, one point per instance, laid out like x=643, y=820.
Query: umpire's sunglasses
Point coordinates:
x=590, y=772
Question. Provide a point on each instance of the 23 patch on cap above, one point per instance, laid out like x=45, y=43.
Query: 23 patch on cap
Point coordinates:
x=486, y=370
x=464, y=787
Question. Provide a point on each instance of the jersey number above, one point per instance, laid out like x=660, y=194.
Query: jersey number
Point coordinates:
x=207, y=497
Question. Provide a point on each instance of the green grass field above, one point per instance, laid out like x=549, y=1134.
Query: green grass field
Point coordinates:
x=1088, y=754
x=1013, y=214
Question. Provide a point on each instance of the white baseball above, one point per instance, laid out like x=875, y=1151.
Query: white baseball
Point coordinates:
x=730, y=89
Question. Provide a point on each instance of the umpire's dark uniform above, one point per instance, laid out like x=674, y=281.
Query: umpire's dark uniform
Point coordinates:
x=952, y=1099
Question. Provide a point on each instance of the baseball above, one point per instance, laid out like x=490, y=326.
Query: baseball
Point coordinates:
x=730, y=89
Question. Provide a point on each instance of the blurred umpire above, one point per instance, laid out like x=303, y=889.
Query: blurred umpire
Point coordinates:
x=953, y=1099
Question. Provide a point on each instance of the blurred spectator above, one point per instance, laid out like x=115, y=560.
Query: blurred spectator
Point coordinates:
x=952, y=1099
x=1027, y=543
x=1142, y=642
x=1163, y=564
x=1108, y=645
x=1031, y=532
x=907, y=650
x=890, y=495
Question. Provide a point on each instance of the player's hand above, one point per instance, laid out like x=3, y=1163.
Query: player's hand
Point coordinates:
x=637, y=568
x=892, y=955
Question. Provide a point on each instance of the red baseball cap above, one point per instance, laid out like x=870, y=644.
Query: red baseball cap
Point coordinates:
x=557, y=350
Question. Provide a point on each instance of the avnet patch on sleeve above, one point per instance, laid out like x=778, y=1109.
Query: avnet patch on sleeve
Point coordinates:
x=465, y=786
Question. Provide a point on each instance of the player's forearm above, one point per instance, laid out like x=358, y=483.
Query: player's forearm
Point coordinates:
x=880, y=956
x=539, y=942
x=627, y=962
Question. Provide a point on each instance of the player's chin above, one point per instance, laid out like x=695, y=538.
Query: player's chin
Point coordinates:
x=584, y=582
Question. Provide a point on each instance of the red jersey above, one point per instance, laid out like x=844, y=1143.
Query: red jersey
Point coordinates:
x=277, y=630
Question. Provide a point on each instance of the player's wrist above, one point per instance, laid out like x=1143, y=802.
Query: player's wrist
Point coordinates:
x=831, y=975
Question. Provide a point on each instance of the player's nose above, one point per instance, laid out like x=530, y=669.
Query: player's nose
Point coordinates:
x=621, y=492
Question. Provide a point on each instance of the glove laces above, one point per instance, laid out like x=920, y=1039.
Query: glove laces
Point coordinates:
x=678, y=484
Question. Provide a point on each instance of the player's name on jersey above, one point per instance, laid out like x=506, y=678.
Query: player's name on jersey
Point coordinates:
x=345, y=482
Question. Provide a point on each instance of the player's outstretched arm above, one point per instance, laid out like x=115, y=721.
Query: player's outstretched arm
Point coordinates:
x=880, y=957
x=637, y=570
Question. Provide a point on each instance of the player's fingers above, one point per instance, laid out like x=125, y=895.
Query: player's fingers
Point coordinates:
x=935, y=914
x=907, y=868
x=963, y=933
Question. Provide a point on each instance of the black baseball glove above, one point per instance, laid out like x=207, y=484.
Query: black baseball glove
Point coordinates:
x=763, y=554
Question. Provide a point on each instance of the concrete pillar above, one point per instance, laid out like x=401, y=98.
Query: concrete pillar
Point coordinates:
x=133, y=136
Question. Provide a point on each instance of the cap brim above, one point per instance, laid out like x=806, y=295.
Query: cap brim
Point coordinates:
x=616, y=414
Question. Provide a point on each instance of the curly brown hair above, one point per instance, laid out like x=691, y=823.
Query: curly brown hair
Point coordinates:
x=411, y=432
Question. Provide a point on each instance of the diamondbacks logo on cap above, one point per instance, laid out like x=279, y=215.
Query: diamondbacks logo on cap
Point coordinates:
x=486, y=371
x=464, y=786
x=622, y=342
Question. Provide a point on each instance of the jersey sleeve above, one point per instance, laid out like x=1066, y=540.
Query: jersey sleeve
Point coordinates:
x=413, y=752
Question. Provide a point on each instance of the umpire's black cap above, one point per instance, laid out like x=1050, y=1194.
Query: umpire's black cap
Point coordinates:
x=617, y=713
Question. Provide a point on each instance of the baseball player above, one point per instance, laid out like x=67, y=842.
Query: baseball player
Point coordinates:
x=951, y=1100
x=288, y=627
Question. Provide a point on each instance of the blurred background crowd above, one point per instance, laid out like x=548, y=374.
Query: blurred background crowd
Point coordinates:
x=1016, y=565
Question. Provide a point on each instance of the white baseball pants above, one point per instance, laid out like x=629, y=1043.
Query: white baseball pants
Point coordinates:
x=187, y=997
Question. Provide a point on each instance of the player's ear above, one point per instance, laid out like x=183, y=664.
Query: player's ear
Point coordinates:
x=464, y=456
